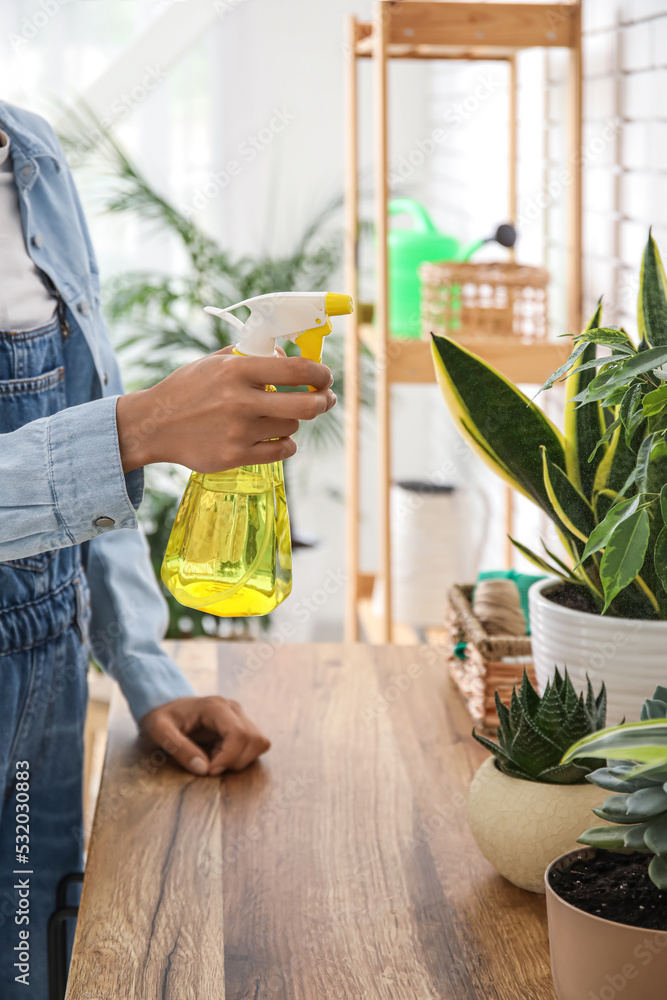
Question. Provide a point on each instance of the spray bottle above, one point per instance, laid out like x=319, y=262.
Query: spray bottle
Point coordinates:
x=230, y=552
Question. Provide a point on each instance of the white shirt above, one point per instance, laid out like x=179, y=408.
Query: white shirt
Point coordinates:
x=25, y=301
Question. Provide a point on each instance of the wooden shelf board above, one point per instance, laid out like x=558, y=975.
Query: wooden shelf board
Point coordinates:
x=411, y=361
x=475, y=53
x=484, y=26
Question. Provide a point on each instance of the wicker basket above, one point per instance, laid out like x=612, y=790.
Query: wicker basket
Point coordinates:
x=480, y=301
x=493, y=663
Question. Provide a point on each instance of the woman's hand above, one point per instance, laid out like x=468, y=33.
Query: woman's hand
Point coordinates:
x=205, y=735
x=215, y=413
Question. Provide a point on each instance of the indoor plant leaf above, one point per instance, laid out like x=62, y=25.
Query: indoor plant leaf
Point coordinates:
x=608, y=837
x=570, y=505
x=656, y=835
x=652, y=297
x=609, y=336
x=647, y=802
x=634, y=837
x=658, y=871
x=584, y=424
x=537, y=560
x=511, y=427
x=601, y=533
x=660, y=556
x=624, y=555
x=563, y=774
x=653, y=402
x=639, y=741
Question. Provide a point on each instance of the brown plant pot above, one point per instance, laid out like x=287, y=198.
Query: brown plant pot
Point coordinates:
x=597, y=959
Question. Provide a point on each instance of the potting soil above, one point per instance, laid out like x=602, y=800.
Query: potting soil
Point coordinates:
x=613, y=886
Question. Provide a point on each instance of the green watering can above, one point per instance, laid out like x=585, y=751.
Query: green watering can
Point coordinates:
x=408, y=248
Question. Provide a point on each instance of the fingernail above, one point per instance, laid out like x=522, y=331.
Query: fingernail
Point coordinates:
x=198, y=765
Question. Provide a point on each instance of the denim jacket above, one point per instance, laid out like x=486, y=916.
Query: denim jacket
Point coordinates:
x=60, y=474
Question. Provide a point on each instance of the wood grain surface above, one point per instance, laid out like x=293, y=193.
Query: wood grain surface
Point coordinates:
x=344, y=858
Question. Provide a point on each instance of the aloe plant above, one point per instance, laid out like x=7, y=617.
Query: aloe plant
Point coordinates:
x=603, y=482
x=535, y=731
x=639, y=810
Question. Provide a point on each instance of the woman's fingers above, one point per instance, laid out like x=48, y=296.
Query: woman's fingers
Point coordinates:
x=275, y=427
x=266, y=452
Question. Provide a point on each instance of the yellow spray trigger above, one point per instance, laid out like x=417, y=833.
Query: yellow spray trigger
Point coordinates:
x=310, y=341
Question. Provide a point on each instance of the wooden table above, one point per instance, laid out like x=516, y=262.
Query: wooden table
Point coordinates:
x=343, y=862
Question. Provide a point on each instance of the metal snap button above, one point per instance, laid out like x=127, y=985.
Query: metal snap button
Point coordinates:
x=104, y=522
x=84, y=307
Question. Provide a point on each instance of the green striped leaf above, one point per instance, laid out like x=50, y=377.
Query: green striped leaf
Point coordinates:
x=584, y=425
x=652, y=297
x=660, y=557
x=617, y=465
x=537, y=560
x=499, y=422
x=645, y=742
x=624, y=555
x=571, y=506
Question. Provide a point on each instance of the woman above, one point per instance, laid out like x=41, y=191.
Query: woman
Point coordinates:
x=74, y=570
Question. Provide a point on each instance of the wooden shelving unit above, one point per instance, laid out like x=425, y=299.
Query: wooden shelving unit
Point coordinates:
x=413, y=29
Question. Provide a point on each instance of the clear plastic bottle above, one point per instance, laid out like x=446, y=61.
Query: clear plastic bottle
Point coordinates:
x=229, y=552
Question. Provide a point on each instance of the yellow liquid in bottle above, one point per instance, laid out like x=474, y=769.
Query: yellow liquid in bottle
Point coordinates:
x=229, y=552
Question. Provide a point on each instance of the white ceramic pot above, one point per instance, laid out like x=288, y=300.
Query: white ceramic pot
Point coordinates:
x=522, y=826
x=628, y=654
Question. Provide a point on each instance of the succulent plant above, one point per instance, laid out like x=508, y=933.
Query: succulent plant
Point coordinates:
x=534, y=732
x=639, y=810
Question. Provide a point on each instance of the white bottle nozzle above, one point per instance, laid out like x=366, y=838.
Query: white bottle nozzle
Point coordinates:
x=287, y=315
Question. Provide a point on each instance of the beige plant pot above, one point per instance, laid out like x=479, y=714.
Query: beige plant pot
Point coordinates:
x=521, y=826
x=596, y=959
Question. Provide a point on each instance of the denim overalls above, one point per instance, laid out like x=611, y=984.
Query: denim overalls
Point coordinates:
x=44, y=611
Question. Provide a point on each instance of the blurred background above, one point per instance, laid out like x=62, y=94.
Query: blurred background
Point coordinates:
x=156, y=100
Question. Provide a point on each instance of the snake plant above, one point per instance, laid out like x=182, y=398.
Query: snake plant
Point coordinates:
x=535, y=731
x=603, y=482
x=639, y=812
